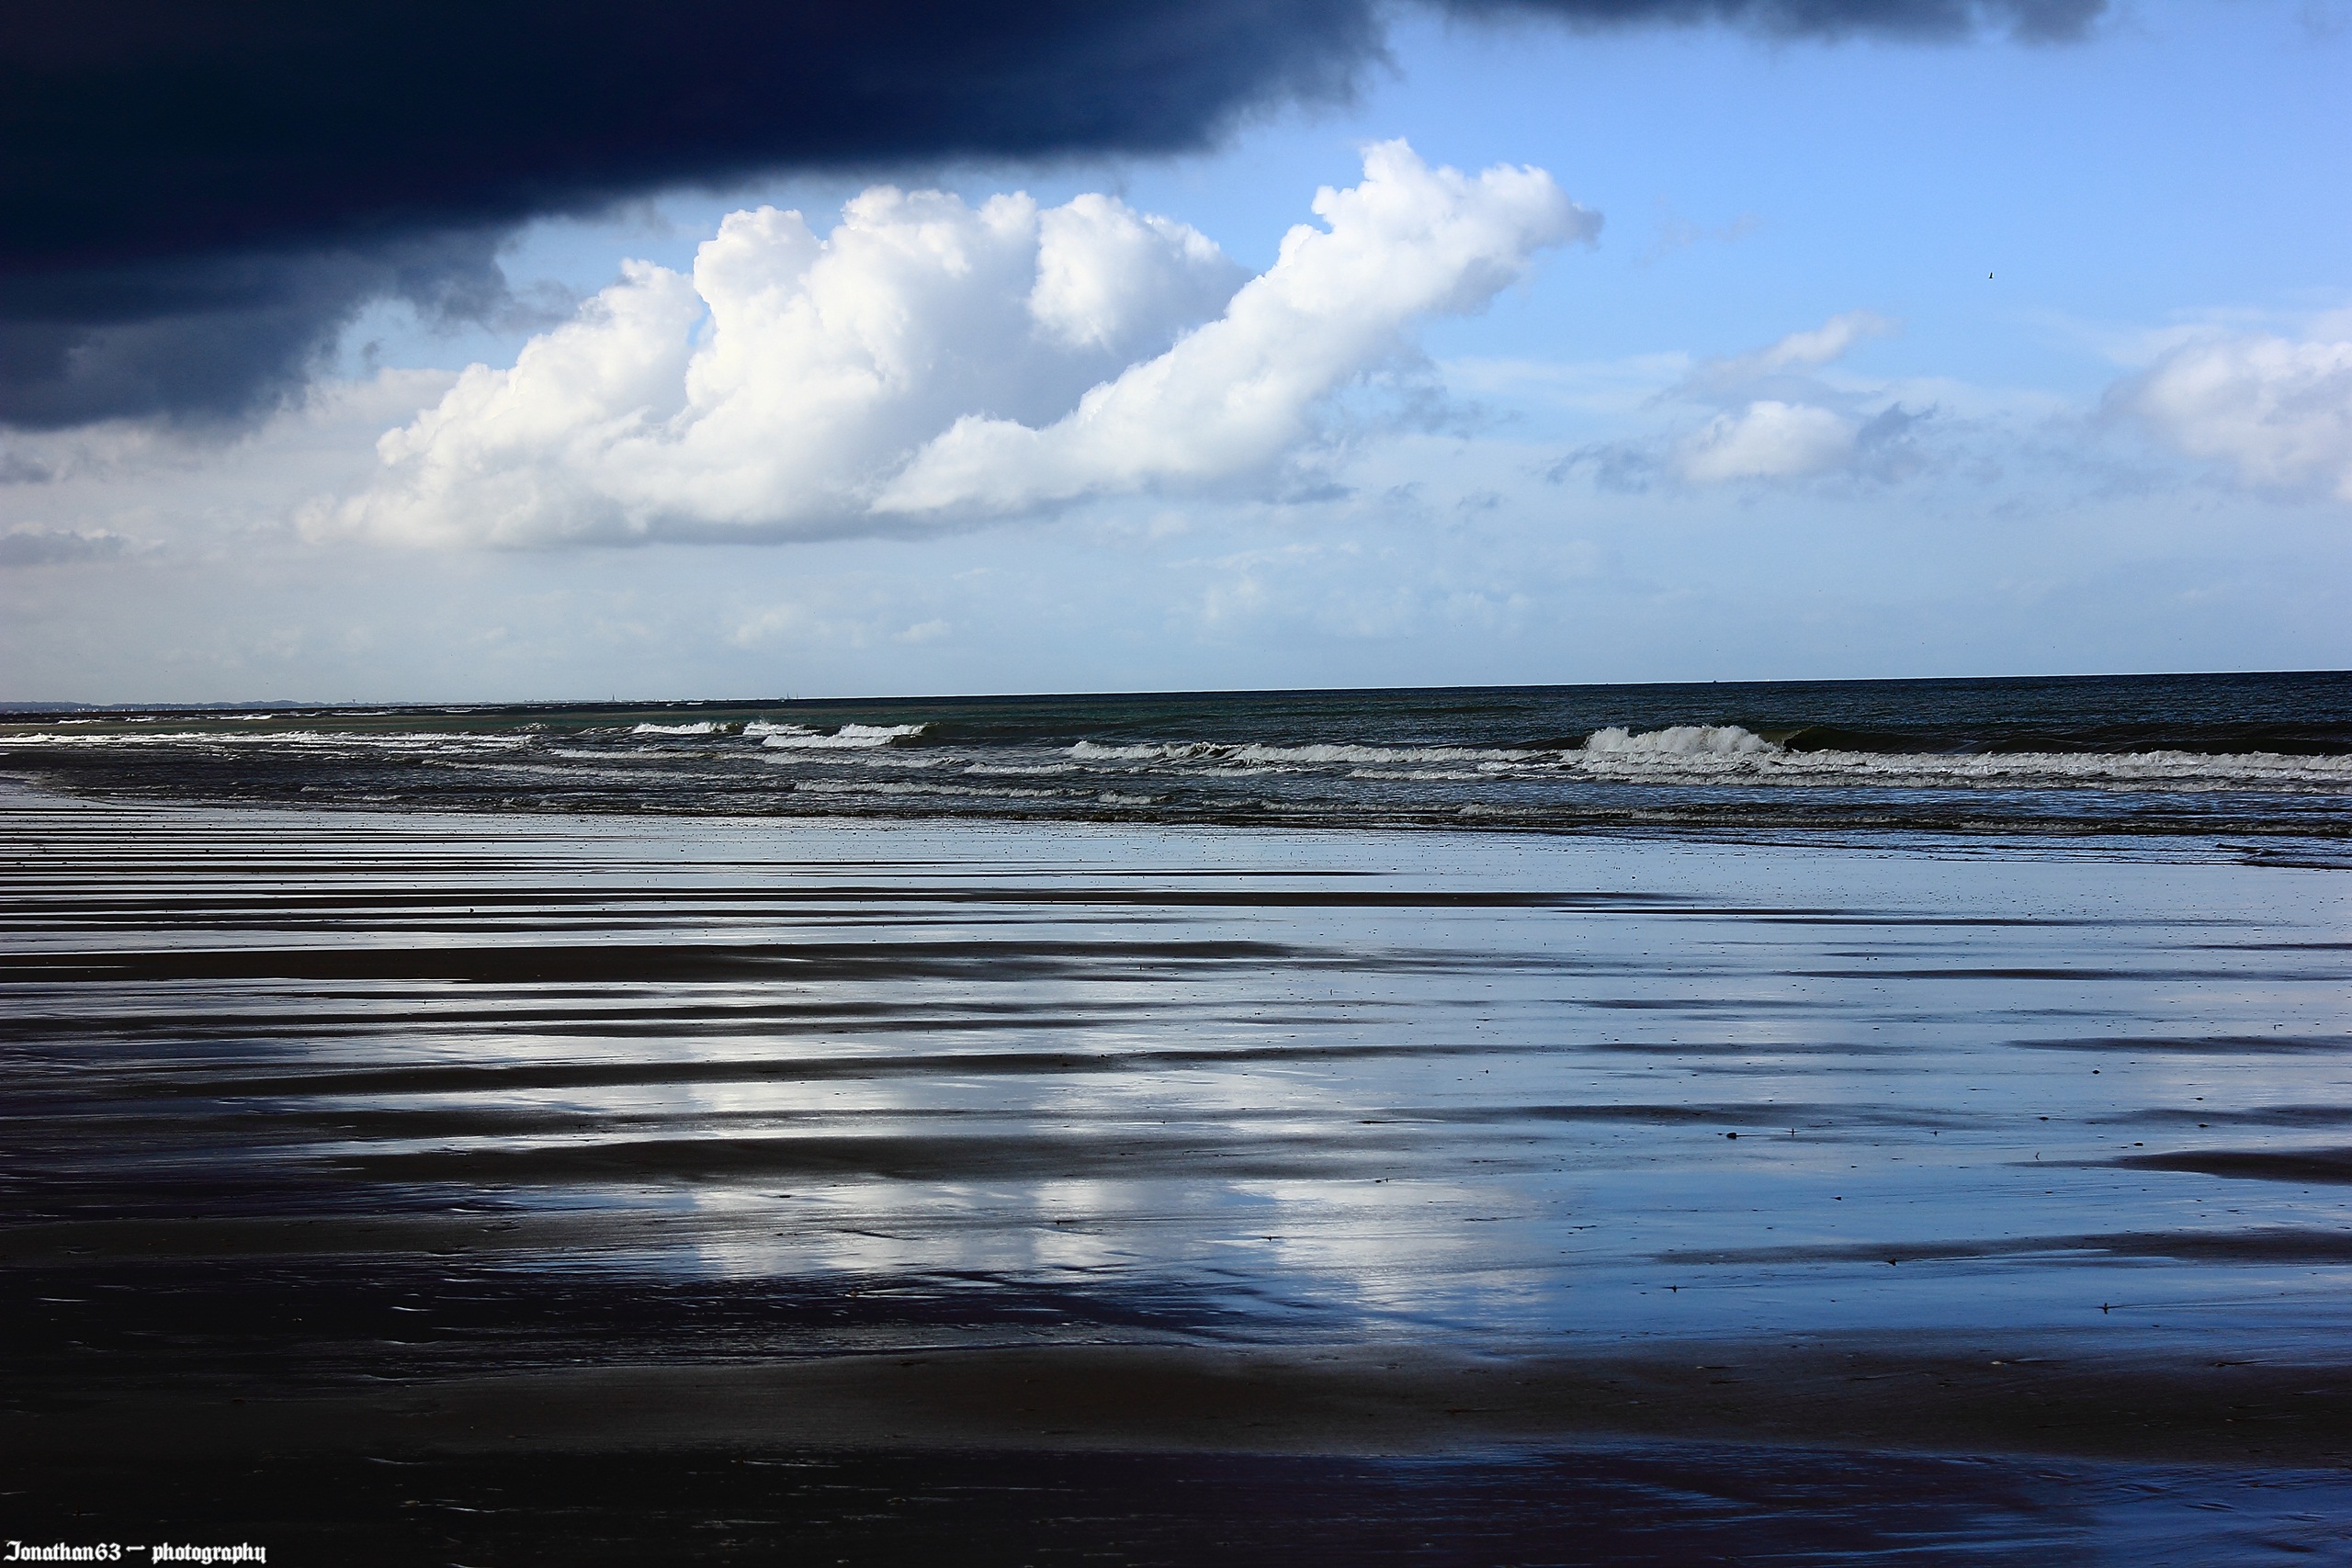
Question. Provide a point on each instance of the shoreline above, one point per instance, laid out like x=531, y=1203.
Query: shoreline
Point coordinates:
x=503, y=1151
x=2287, y=845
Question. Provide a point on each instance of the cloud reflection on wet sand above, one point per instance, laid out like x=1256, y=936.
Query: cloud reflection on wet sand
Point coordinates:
x=314, y=1096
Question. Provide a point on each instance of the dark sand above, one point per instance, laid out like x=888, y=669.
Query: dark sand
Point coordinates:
x=408, y=1189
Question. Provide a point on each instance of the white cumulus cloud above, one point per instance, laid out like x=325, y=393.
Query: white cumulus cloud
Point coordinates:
x=930, y=360
x=1766, y=440
x=1410, y=241
x=1778, y=421
x=2279, y=410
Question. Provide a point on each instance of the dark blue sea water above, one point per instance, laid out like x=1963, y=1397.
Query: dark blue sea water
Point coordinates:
x=2230, y=754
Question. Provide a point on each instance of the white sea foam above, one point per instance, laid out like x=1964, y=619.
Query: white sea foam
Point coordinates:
x=1348, y=756
x=677, y=730
x=1317, y=756
x=573, y=772
x=643, y=760
x=848, y=737
x=1682, y=740
x=1088, y=752
x=295, y=740
x=865, y=786
x=1729, y=754
x=1690, y=755
x=797, y=757
x=1420, y=775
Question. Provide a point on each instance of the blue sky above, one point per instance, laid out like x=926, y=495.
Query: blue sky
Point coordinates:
x=2130, y=448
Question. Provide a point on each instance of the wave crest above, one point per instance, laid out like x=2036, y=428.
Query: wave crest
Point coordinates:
x=1681, y=741
x=848, y=737
x=1295, y=756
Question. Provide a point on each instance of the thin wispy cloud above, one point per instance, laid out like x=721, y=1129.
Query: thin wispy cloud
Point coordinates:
x=1775, y=419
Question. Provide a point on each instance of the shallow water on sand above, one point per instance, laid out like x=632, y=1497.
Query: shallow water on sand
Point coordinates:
x=328, y=1100
x=1235, y=1083
x=1663, y=1504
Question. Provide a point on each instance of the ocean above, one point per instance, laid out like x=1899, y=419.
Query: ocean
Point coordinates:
x=2234, y=755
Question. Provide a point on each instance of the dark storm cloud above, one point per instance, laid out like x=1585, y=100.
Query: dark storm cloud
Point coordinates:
x=208, y=337
x=195, y=196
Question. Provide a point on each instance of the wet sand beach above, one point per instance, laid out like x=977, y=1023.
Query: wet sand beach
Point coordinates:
x=411, y=1185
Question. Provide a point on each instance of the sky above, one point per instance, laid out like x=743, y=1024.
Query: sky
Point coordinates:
x=1482, y=344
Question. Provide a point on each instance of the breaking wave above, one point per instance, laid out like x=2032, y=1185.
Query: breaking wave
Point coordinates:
x=355, y=743
x=1731, y=754
x=1680, y=741
x=848, y=737
x=1316, y=756
x=1698, y=754
x=2224, y=755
